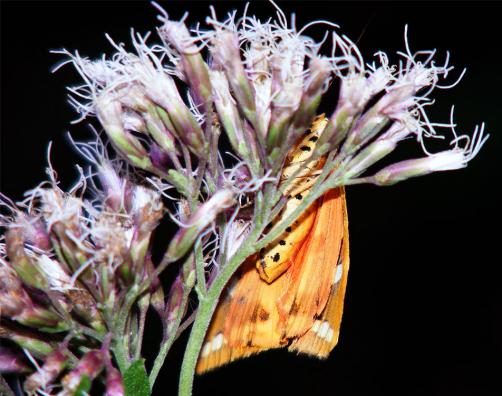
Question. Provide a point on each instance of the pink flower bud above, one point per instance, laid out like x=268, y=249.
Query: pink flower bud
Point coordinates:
x=54, y=363
x=193, y=66
x=226, y=54
x=110, y=115
x=203, y=217
x=90, y=366
x=11, y=361
x=114, y=384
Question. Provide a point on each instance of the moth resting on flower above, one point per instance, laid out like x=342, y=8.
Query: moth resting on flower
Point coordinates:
x=292, y=294
x=219, y=133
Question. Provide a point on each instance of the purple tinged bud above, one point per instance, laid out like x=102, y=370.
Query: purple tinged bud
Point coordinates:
x=110, y=115
x=16, y=304
x=114, y=384
x=115, y=187
x=229, y=114
x=160, y=133
x=202, y=218
x=443, y=161
x=28, y=340
x=396, y=102
x=194, y=67
x=371, y=154
x=11, y=361
x=54, y=363
x=378, y=149
x=160, y=159
x=319, y=78
x=90, y=366
x=226, y=55
x=366, y=128
x=174, y=301
x=162, y=90
x=20, y=261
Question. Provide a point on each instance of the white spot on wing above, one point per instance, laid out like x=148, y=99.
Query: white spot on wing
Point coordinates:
x=329, y=335
x=338, y=273
x=206, y=350
x=217, y=342
x=315, y=327
x=323, y=330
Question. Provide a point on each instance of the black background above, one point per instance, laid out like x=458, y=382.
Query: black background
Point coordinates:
x=423, y=306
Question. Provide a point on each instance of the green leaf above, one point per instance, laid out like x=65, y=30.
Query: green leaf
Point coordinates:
x=84, y=387
x=135, y=380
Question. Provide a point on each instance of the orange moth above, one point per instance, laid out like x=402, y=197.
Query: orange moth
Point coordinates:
x=291, y=294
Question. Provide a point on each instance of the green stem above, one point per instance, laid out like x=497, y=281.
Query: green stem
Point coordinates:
x=120, y=349
x=168, y=341
x=208, y=304
x=205, y=312
x=200, y=268
x=143, y=303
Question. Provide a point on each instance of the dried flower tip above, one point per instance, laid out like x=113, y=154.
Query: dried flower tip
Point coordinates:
x=34, y=231
x=61, y=210
x=147, y=209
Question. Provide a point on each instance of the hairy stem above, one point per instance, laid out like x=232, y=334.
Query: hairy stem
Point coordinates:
x=120, y=348
x=205, y=312
x=208, y=304
x=200, y=267
x=168, y=339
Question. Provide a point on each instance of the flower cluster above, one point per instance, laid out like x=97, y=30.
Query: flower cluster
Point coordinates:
x=76, y=270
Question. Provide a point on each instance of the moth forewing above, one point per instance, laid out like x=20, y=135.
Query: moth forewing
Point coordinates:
x=311, y=278
x=323, y=336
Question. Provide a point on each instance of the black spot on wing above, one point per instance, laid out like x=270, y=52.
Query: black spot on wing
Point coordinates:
x=263, y=315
